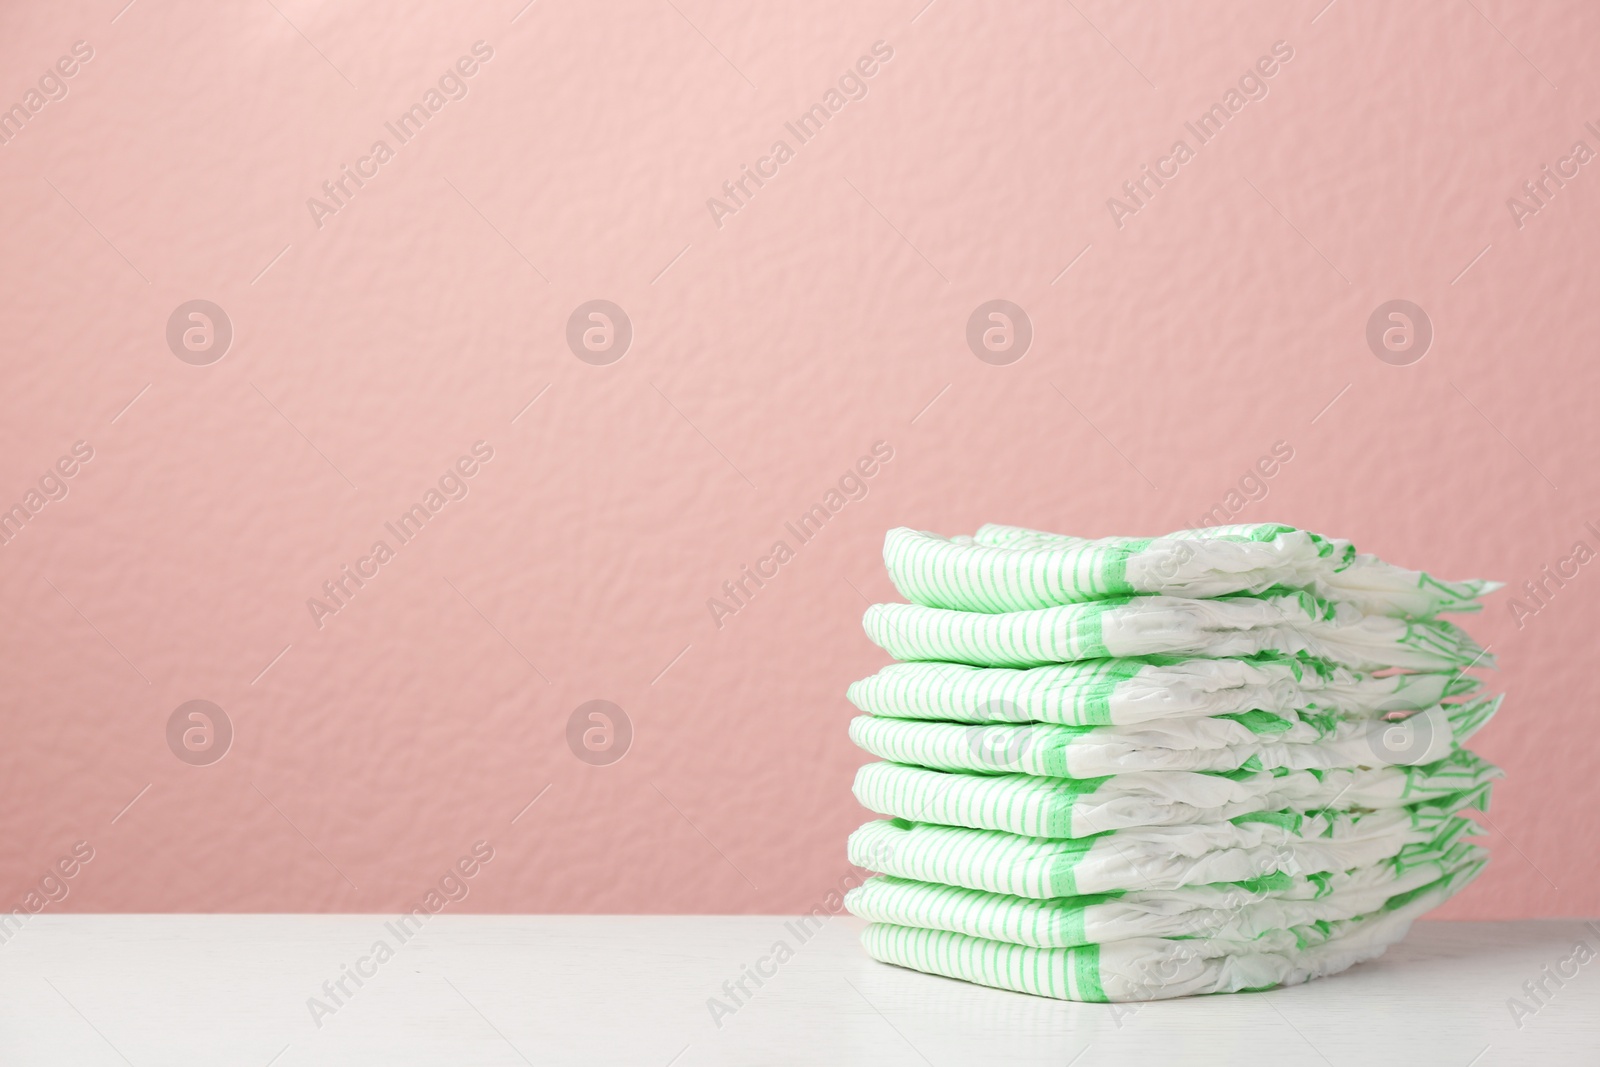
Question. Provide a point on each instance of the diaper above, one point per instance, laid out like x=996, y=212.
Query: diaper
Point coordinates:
x=1256, y=911
x=1262, y=742
x=1135, y=768
x=1008, y=568
x=1080, y=807
x=1128, y=691
x=1154, y=857
x=1165, y=625
x=1150, y=968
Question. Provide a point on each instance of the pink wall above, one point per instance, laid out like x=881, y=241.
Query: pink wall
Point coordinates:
x=768, y=354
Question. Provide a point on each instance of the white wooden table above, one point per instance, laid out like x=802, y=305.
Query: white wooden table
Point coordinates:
x=469, y=990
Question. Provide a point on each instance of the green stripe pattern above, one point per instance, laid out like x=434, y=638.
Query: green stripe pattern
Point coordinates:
x=1128, y=691
x=1154, y=858
x=1258, y=743
x=1161, y=625
x=1135, y=768
x=1239, y=911
x=1150, y=968
x=1081, y=807
x=1007, y=568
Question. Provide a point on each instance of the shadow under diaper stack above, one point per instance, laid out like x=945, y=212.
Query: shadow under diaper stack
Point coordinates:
x=1130, y=769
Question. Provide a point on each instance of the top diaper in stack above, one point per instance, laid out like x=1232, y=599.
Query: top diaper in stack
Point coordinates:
x=1133, y=768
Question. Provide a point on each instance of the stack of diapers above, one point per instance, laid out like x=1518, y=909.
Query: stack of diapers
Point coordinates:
x=1130, y=769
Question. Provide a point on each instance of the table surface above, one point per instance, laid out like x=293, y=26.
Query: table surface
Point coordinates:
x=238, y=990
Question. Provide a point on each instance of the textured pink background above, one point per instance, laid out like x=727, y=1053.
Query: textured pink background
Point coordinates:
x=769, y=354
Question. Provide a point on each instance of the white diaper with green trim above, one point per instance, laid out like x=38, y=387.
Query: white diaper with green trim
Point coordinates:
x=1081, y=807
x=1258, y=741
x=1009, y=568
x=1129, y=691
x=1164, y=625
x=1131, y=768
x=1155, y=857
x=1250, y=911
x=1149, y=968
